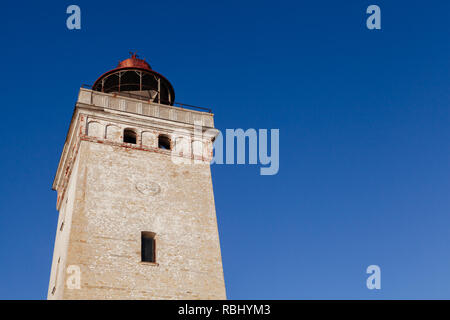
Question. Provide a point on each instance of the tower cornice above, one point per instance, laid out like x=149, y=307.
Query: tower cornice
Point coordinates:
x=122, y=111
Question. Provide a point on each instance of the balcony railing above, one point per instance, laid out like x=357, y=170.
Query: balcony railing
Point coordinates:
x=139, y=97
x=139, y=105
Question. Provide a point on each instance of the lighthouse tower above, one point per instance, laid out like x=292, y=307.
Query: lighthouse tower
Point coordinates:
x=135, y=198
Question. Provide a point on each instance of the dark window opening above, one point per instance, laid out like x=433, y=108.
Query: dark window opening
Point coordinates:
x=148, y=247
x=129, y=136
x=163, y=142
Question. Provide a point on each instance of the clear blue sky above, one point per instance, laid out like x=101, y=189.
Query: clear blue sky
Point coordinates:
x=364, y=134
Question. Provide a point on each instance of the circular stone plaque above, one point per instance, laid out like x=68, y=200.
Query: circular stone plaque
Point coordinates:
x=148, y=188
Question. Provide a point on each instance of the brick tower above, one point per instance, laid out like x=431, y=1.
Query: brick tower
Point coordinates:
x=136, y=207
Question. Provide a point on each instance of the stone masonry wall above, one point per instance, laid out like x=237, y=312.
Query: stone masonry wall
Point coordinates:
x=121, y=192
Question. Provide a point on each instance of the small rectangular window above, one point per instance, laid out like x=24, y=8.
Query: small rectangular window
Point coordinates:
x=129, y=136
x=148, y=246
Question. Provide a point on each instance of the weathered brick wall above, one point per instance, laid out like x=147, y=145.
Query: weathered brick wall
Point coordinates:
x=109, y=192
x=111, y=213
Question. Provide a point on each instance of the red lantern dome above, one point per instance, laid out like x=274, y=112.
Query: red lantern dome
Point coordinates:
x=134, y=76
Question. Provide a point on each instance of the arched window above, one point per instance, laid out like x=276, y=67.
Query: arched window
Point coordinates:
x=129, y=136
x=163, y=142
